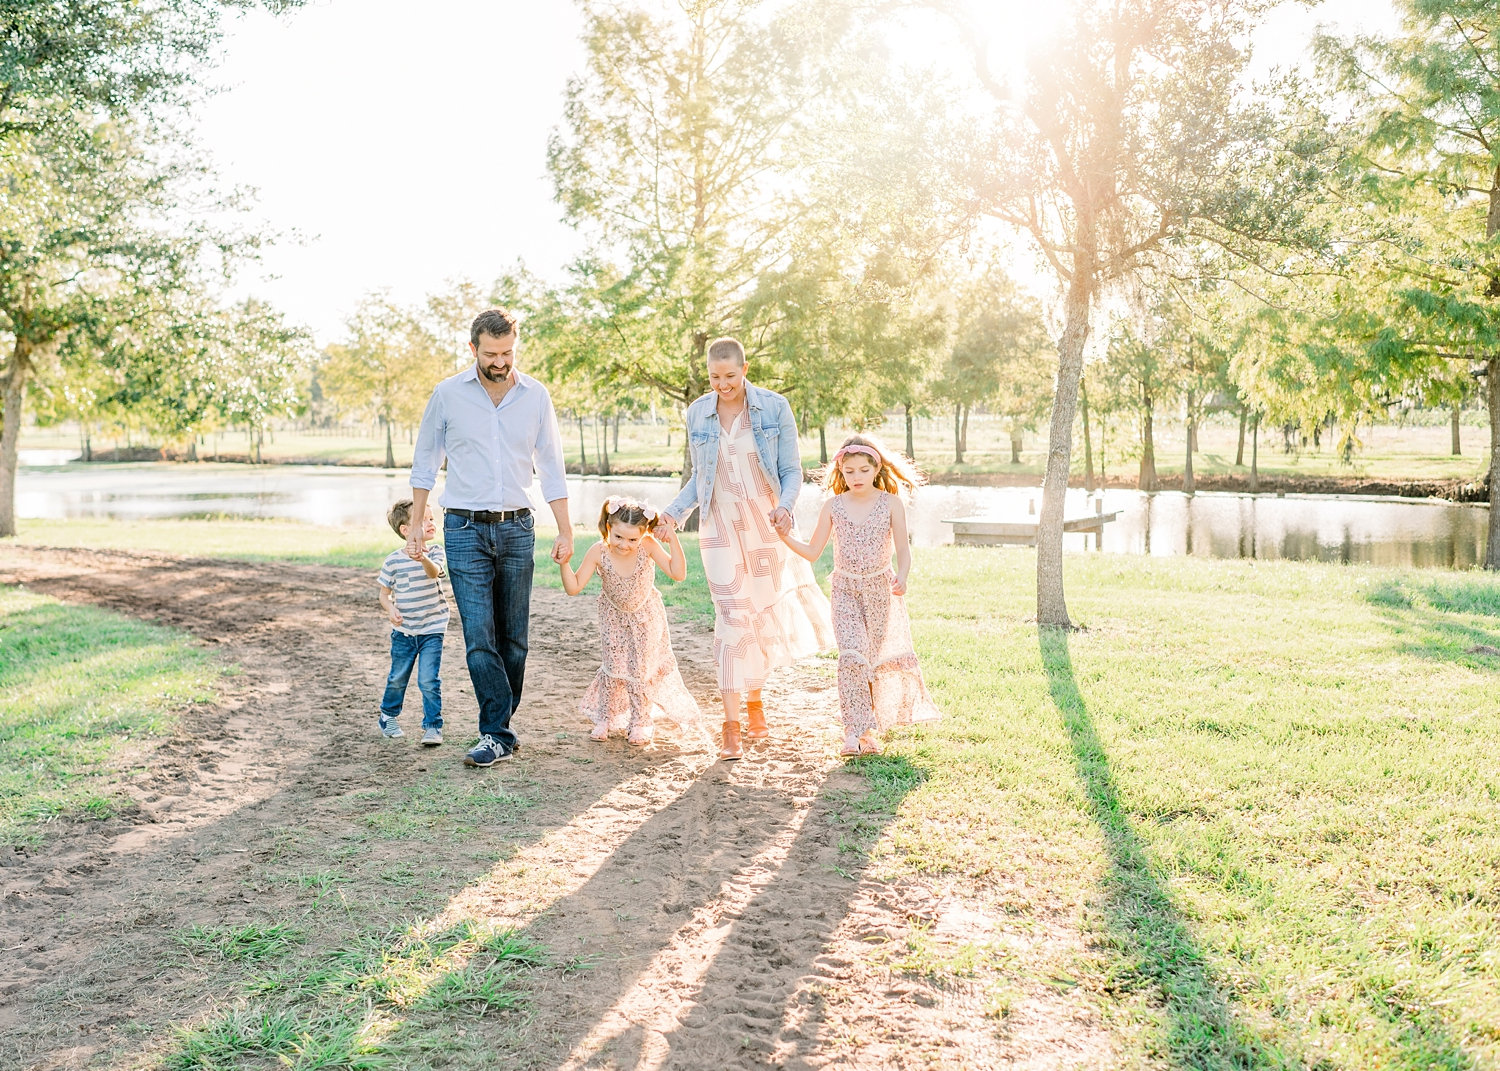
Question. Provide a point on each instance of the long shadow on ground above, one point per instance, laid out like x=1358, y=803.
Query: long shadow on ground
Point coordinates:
x=1455, y=620
x=704, y=925
x=302, y=896
x=1201, y=1030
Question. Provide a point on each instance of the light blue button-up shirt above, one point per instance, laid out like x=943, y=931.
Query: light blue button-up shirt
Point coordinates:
x=492, y=450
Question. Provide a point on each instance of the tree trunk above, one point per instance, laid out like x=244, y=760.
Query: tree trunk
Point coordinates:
x=14, y=390
x=1187, y=471
x=958, y=434
x=1051, y=602
x=964, y=435
x=390, y=451
x=1255, y=456
x=583, y=450
x=822, y=444
x=1456, y=444
x=1146, y=480
x=1239, y=450
x=1088, y=445
x=1103, y=450
x=1016, y=438
x=1492, y=393
x=911, y=449
x=192, y=450
x=603, y=450
x=617, y=433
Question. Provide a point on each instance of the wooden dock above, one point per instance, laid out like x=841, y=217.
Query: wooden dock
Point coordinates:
x=988, y=532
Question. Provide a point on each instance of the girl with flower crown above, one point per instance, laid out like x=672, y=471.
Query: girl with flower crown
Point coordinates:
x=639, y=684
x=880, y=683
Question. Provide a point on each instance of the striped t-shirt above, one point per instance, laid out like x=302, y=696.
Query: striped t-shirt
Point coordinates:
x=418, y=597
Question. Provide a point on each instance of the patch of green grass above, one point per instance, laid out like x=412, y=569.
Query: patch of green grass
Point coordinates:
x=366, y=1003
x=1267, y=794
x=250, y=1036
x=251, y=943
x=81, y=690
x=359, y=547
x=430, y=805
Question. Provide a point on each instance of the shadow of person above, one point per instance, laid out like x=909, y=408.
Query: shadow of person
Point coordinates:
x=1145, y=927
x=701, y=927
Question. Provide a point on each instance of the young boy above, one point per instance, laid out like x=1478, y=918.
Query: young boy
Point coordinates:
x=411, y=593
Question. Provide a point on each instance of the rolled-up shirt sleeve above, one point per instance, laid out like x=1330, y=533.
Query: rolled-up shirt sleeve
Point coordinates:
x=427, y=456
x=549, y=456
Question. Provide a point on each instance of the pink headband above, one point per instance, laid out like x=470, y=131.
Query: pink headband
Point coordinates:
x=858, y=448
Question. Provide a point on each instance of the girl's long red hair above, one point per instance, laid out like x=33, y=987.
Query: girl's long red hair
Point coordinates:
x=896, y=471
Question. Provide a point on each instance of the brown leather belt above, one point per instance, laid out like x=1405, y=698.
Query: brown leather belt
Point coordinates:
x=490, y=516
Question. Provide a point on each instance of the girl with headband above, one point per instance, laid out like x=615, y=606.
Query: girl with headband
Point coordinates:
x=880, y=683
x=639, y=683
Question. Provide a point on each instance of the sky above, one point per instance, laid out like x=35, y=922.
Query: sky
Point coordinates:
x=399, y=145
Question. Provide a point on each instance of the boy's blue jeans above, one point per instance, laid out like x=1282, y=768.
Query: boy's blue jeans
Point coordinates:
x=426, y=653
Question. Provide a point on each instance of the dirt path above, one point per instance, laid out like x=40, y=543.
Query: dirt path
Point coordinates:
x=723, y=917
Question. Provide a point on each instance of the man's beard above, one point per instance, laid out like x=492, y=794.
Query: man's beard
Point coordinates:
x=495, y=376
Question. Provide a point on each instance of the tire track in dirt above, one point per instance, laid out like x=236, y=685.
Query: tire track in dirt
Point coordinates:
x=723, y=921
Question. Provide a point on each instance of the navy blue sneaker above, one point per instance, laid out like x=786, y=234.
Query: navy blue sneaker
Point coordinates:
x=389, y=729
x=487, y=752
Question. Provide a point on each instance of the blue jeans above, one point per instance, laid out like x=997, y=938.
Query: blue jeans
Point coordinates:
x=491, y=566
x=426, y=653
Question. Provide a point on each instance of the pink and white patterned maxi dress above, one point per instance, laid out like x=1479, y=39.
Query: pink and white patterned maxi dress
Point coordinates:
x=768, y=608
x=880, y=683
x=639, y=683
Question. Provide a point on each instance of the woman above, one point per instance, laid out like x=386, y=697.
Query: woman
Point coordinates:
x=768, y=609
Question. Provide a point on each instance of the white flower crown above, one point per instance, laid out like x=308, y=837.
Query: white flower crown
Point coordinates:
x=615, y=503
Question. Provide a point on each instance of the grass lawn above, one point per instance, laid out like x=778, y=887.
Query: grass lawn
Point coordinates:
x=80, y=691
x=1268, y=796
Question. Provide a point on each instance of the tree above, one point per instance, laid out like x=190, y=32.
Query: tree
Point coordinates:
x=1128, y=139
x=898, y=329
x=1136, y=359
x=91, y=259
x=802, y=323
x=103, y=58
x=998, y=357
x=386, y=367
x=672, y=153
x=1429, y=113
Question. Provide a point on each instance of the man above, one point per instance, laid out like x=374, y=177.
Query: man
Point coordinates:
x=494, y=424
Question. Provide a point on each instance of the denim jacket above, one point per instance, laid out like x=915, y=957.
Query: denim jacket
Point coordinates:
x=775, y=433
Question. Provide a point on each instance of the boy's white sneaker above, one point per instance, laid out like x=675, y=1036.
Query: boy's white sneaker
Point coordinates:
x=432, y=737
x=389, y=729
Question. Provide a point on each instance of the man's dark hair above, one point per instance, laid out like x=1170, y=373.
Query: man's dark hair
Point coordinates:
x=497, y=323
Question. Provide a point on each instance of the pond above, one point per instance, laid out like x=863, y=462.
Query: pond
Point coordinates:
x=1334, y=528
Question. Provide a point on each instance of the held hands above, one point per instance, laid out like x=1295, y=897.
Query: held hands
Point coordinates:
x=666, y=524
x=416, y=547
x=781, y=520
x=562, y=548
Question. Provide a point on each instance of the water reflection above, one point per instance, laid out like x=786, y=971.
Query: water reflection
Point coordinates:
x=1383, y=531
